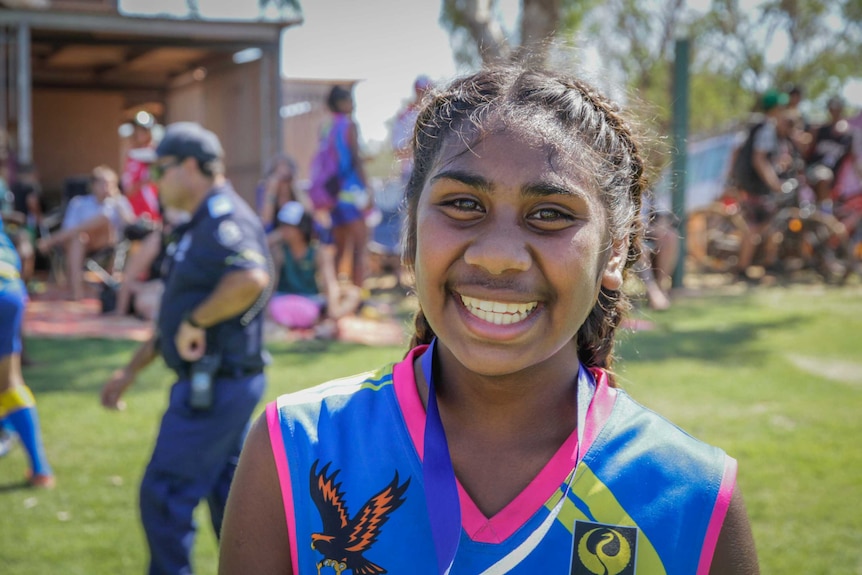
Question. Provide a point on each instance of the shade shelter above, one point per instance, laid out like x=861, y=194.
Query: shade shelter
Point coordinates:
x=74, y=71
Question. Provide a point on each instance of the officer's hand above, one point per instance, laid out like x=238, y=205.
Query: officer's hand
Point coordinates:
x=191, y=342
x=113, y=390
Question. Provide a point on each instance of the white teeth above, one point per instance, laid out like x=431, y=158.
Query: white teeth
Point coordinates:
x=498, y=312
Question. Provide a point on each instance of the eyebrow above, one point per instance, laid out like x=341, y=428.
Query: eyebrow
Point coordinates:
x=466, y=178
x=537, y=189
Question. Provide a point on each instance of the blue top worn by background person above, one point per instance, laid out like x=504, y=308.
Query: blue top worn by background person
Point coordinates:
x=350, y=178
x=224, y=235
x=299, y=275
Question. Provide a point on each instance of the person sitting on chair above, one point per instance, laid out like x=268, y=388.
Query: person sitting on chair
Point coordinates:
x=92, y=222
x=307, y=291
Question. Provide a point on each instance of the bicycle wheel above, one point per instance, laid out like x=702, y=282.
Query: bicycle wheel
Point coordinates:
x=714, y=237
x=814, y=241
x=793, y=250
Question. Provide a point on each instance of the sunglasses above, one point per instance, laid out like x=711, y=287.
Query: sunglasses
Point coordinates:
x=158, y=170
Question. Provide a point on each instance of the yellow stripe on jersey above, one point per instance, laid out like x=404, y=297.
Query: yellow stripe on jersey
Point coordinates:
x=605, y=509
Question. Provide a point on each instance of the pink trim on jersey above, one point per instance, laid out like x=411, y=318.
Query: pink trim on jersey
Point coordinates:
x=600, y=407
x=509, y=519
x=412, y=409
x=719, y=512
x=277, y=441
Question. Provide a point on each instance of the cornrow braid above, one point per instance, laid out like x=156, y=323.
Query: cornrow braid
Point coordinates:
x=564, y=109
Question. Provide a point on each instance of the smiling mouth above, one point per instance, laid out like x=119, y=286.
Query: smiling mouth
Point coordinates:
x=498, y=312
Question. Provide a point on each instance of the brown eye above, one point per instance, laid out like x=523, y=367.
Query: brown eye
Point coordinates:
x=465, y=204
x=550, y=215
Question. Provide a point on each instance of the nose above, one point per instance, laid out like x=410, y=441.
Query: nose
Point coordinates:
x=500, y=247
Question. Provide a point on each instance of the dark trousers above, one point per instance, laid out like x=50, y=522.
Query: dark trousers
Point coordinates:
x=195, y=457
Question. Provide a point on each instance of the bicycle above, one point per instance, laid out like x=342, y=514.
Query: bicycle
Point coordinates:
x=798, y=235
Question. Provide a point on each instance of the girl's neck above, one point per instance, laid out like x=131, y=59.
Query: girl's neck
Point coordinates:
x=502, y=431
x=503, y=405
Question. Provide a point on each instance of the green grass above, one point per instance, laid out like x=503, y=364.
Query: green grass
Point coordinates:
x=772, y=376
x=89, y=524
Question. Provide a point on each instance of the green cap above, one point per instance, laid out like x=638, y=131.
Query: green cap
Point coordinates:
x=773, y=98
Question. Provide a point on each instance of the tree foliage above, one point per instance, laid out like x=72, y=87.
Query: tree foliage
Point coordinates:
x=480, y=37
x=814, y=43
x=738, y=50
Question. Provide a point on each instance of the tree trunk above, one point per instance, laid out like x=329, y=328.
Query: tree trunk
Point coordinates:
x=540, y=20
x=484, y=28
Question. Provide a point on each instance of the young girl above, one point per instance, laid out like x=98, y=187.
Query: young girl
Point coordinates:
x=349, y=231
x=17, y=404
x=307, y=291
x=500, y=444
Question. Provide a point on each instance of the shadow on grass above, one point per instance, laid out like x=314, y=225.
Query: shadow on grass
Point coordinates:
x=731, y=337
x=17, y=486
x=79, y=365
x=308, y=351
x=84, y=365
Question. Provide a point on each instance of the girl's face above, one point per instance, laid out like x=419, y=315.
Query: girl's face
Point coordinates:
x=511, y=251
x=292, y=235
x=345, y=105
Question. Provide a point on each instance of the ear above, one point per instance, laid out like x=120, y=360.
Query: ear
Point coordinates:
x=612, y=277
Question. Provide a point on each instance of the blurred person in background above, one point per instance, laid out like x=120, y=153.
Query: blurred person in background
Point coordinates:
x=402, y=128
x=143, y=195
x=26, y=195
x=276, y=188
x=17, y=404
x=349, y=231
x=833, y=144
x=210, y=333
x=92, y=222
x=308, y=293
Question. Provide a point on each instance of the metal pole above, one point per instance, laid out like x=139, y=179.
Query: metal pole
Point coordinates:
x=25, y=115
x=4, y=103
x=11, y=68
x=679, y=151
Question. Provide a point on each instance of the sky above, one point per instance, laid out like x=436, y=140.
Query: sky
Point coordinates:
x=384, y=44
x=351, y=39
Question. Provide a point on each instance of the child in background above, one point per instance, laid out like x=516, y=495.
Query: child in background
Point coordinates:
x=276, y=188
x=347, y=217
x=501, y=443
x=308, y=293
x=17, y=404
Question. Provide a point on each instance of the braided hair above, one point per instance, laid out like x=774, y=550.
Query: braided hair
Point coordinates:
x=568, y=111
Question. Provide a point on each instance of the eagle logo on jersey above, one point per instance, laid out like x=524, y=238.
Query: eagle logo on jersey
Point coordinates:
x=344, y=539
x=603, y=549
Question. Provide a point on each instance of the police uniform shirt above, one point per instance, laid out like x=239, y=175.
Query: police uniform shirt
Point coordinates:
x=223, y=236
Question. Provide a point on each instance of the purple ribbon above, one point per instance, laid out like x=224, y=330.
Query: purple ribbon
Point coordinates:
x=441, y=488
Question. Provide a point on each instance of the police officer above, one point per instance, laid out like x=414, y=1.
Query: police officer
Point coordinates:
x=210, y=332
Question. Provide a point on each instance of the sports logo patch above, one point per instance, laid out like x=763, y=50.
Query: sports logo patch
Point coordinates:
x=599, y=549
x=228, y=233
x=219, y=205
x=345, y=539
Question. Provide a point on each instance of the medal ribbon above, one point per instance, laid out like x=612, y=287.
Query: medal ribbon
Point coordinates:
x=441, y=488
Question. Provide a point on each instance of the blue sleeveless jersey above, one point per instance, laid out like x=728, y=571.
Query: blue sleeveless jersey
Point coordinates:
x=646, y=498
